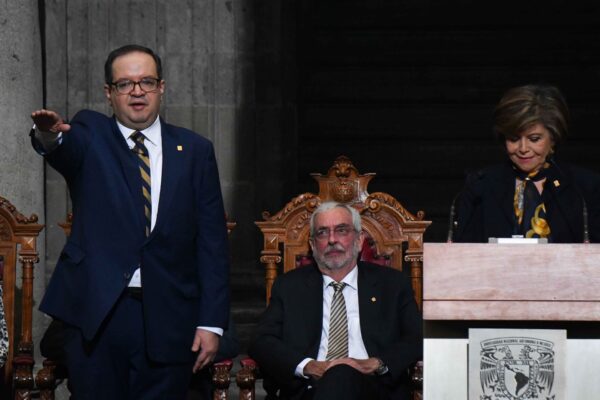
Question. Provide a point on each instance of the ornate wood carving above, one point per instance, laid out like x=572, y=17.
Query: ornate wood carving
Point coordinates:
x=18, y=235
x=5, y=231
x=45, y=380
x=66, y=226
x=16, y=215
x=309, y=200
x=384, y=219
x=221, y=379
x=246, y=379
x=417, y=381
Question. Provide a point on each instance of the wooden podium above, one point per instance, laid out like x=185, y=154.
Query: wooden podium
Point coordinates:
x=534, y=282
x=473, y=284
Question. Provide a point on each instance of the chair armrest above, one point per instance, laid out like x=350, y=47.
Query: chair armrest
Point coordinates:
x=221, y=378
x=416, y=380
x=246, y=379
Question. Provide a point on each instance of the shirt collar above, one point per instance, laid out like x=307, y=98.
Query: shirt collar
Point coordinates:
x=152, y=133
x=350, y=280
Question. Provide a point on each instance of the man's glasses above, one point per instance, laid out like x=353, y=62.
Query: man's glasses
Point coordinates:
x=127, y=86
x=338, y=232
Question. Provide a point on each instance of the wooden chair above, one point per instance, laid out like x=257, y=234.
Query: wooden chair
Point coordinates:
x=18, y=246
x=46, y=379
x=394, y=235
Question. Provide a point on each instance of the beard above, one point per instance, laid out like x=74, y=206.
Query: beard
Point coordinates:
x=334, y=263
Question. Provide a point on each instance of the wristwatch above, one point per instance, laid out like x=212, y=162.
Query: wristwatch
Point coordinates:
x=382, y=369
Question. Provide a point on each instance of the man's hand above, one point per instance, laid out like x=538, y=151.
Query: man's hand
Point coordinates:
x=49, y=121
x=366, y=367
x=208, y=343
x=316, y=369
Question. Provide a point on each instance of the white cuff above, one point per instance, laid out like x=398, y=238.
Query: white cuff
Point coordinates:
x=218, y=331
x=48, y=140
x=300, y=368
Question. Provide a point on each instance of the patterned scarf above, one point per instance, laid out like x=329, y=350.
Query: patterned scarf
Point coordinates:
x=530, y=211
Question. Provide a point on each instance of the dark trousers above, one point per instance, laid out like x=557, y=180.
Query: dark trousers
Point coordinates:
x=115, y=364
x=343, y=382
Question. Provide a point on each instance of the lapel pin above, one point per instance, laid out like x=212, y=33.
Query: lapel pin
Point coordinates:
x=373, y=299
x=556, y=183
x=179, y=147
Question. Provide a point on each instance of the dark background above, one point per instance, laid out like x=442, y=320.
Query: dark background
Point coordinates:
x=406, y=89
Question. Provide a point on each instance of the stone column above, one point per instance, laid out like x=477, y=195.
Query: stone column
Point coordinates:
x=21, y=169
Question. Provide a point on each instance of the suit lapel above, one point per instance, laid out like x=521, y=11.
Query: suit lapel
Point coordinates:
x=313, y=299
x=562, y=208
x=172, y=167
x=369, y=301
x=130, y=169
x=503, y=192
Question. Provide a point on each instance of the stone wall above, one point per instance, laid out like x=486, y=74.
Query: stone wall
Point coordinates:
x=208, y=51
x=21, y=170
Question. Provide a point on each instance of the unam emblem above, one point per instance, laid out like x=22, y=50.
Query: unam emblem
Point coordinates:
x=516, y=368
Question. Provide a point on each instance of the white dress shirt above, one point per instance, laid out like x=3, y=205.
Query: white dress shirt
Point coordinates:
x=356, y=346
x=153, y=143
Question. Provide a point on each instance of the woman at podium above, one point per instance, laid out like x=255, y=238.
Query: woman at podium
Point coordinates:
x=531, y=195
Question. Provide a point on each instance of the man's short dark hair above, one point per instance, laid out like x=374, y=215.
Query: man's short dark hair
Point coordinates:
x=129, y=48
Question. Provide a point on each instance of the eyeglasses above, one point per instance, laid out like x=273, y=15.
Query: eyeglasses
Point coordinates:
x=126, y=86
x=339, y=231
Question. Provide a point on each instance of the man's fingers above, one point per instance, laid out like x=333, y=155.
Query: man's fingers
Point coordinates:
x=207, y=343
x=49, y=121
x=196, y=343
x=201, y=361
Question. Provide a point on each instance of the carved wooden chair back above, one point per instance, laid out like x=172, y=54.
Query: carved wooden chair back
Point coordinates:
x=394, y=235
x=18, y=248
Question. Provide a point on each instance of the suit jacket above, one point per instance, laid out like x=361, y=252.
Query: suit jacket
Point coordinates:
x=184, y=261
x=485, y=207
x=290, y=328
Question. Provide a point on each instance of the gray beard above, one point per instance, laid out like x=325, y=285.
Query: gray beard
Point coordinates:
x=337, y=264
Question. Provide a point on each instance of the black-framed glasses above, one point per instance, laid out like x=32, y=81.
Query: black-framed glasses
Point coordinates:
x=126, y=86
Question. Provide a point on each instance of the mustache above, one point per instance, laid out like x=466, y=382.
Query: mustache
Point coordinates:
x=334, y=247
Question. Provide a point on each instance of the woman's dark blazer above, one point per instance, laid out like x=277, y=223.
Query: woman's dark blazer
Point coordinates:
x=485, y=206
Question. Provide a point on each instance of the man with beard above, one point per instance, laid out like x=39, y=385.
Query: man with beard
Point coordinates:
x=340, y=329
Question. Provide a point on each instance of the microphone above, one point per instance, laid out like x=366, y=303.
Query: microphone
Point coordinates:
x=451, y=222
x=584, y=210
x=471, y=179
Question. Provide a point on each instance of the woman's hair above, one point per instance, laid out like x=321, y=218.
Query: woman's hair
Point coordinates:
x=524, y=106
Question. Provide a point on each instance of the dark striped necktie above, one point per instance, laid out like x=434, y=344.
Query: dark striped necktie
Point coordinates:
x=144, y=162
x=338, y=324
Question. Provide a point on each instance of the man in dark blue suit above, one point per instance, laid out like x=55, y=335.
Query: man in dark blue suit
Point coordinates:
x=142, y=282
x=340, y=329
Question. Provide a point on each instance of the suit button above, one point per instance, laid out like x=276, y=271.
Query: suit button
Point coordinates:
x=127, y=275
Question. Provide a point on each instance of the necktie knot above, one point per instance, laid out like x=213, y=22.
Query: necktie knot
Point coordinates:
x=138, y=137
x=139, y=147
x=338, y=286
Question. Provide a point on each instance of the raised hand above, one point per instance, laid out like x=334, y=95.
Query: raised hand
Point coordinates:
x=49, y=121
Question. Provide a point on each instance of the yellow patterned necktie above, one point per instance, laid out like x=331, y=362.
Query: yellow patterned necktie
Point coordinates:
x=144, y=163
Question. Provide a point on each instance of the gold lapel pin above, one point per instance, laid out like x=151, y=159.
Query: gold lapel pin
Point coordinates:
x=179, y=147
x=373, y=299
x=556, y=183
